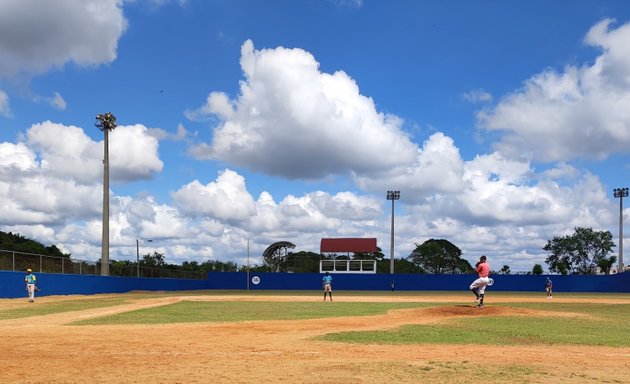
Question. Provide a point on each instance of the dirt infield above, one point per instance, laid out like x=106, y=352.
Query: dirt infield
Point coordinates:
x=45, y=349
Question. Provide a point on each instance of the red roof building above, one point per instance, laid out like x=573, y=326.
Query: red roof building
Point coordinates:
x=351, y=244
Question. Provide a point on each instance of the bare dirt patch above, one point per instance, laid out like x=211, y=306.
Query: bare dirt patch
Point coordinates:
x=46, y=350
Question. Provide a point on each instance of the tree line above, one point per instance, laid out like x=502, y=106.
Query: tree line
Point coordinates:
x=584, y=252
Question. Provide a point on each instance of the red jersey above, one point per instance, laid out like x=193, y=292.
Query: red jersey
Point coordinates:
x=483, y=269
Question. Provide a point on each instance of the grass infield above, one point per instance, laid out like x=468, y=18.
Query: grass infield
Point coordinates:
x=603, y=325
x=221, y=311
x=581, y=324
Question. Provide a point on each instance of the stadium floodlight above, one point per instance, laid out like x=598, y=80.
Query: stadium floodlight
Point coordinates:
x=138, y=255
x=393, y=196
x=105, y=122
x=620, y=193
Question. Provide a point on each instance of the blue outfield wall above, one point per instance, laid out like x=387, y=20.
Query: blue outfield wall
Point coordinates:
x=12, y=283
x=413, y=282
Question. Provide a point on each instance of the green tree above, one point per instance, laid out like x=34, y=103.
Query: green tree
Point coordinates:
x=18, y=243
x=378, y=255
x=191, y=266
x=302, y=262
x=439, y=256
x=537, y=270
x=155, y=260
x=505, y=270
x=580, y=252
x=400, y=266
x=606, y=263
x=219, y=266
x=255, y=268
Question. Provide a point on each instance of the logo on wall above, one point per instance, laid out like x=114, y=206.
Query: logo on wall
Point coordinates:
x=256, y=280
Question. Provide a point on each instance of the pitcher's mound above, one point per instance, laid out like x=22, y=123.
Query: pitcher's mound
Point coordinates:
x=472, y=310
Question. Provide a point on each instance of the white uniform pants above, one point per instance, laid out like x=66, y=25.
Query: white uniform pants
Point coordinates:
x=31, y=291
x=480, y=284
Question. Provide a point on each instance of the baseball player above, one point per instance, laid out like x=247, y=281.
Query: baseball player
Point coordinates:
x=30, y=281
x=549, y=288
x=478, y=287
x=327, y=285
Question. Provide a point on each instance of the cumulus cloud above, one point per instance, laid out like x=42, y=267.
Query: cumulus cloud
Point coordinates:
x=5, y=110
x=53, y=175
x=580, y=112
x=437, y=167
x=293, y=120
x=67, y=152
x=133, y=153
x=36, y=36
x=226, y=199
x=489, y=190
x=319, y=211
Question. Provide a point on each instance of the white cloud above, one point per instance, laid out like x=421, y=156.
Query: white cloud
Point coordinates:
x=66, y=151
x=217, y=103
x=38, y=35
x=133, y=153
x=292, y=120
x=477, y=96
x=226, y=202
x=347, y=3
x=162, y=134
x=579, y=112
x=5, y=109
x=227, y=199
x=438, y=167
x=16, y=159
x=58, y=102
x=54, y=175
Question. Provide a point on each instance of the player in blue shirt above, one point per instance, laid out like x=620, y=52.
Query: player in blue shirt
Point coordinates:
x=30, y=281
x=549, y=288
x=327, y=285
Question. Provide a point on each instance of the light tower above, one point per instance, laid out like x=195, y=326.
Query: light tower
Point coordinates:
x=392, y=195
x=620, y=193
x=106, y=122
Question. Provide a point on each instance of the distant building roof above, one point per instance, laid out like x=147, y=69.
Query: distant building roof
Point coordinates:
x=348, y=245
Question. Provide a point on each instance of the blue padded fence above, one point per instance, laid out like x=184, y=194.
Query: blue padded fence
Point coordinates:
x=12, y=283
x=413, y=282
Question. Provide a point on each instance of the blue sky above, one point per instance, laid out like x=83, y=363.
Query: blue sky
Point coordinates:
x=503, y=124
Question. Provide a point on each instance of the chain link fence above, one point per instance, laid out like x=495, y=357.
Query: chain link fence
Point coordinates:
x=21, y=261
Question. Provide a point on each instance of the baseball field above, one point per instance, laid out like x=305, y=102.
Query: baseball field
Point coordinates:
x=294, y=337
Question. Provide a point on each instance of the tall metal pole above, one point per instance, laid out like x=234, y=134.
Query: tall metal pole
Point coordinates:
x=248, y=264
x=620, y=193
x=105, y=238
x=106, y=123
x=138, y=258
x=392, y=195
